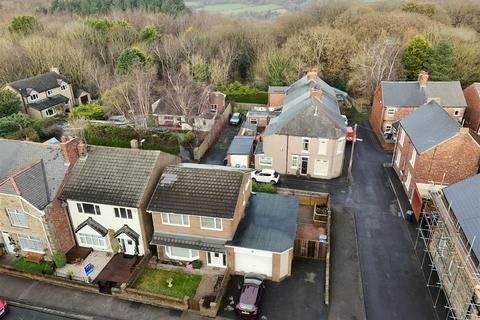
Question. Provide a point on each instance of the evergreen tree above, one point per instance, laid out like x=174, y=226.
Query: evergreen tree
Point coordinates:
x=9, y=103
x=442, y=62
x=416, y=55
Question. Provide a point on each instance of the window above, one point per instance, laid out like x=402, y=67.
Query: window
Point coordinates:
x=253, y=120
x=211, y=223
x=92, y=240
x=407, y=182
x=88, y=208
x=49, y=93
x=341, y=145
x=181, y=253
x=34, y=97
x=397, y=158
x=391, y=112
x=123, y=213
x=456, y=112
x=305, y=143
x=30, y=243
x=213, y=108
x=295, y=162
x=176, y=219
x=167, y=118
x=50, y=112
x=64, y=86
x=322, y=146
x=266, y=161
x=414, y=156
x=401, y=139
x=17, y=218
x=388, y=129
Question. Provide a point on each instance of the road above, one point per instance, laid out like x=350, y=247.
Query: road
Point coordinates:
x=20, y=313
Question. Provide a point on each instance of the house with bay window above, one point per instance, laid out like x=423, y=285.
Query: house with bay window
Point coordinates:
x=208, y=213
x=308, y=136
x=32, y=219
x=107, y=194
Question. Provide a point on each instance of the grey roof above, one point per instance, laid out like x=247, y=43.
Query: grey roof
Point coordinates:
x=52, y=141
x=128, y=231
x=410, y=94
x=48, y=102
x=464, y=200
x=189, y=241
x=250, y=126
x=94, y=225
x=429, y=126
x=200, y=190
x=39, y=83
x=305, y=116
x=261, y=114
x=114, y=176
x=259, y=148
x=277, y=89
x=269, y=223
x=40, y=182
x=241, y=145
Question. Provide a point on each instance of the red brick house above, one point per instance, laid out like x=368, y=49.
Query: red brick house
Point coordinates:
x=395, y=100
x=276, y=95
x=472, y=114
x=432, y=151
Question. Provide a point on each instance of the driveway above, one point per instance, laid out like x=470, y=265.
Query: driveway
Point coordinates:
x=299, y=296
x=218, y=151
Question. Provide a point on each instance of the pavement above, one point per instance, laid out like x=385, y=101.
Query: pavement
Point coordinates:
x=19, y=312
x=218, y=151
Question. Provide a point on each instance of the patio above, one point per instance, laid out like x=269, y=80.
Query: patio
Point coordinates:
x=118, y=270
x=99, y=259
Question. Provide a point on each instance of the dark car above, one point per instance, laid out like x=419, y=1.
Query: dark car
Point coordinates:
x=236, y=119
x=248, y=305
x=3, y=308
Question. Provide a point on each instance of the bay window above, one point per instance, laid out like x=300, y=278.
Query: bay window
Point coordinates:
x=181, y=253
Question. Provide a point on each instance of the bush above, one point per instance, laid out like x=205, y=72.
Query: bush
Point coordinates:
x=92, y=111
x=24, y=134
x=48, y=128
x=197, y=264
x=23, y=24
x=238, y=92
x=263, y=187
x=128, y=57
x=9, y=103
x=49, y=268
x=150, y=33
x=13, y=123
x=60, y=259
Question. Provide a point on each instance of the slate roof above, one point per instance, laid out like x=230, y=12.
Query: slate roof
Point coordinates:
x=48, y=102
x=199, y=190
x=94, y=225
x=114, y=176
x=37, y=169
x=128, y=231
x=241, y=145
x=189, y=241
x=305, y=116
x=277, y=89
x=39, y=83
x=464, y=200
x=259, y=148
x=410, y=94
x=269, y=223
x=429, y=126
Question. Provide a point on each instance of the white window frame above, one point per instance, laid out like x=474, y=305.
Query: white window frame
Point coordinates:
x=388, y=129
x=391, y=112
x=29, y=240
x=408, y=181
x=53, y=112
x=295, y=159
x=341, y=145
x=34, y=97
x=307, y=142
x=64, y=86
x=413, y=157
x=263, y=160
x=456, y=111
x=217, y=223
x=253, y=120
x=17, y=215
x=167, y=220
x=49, y=93
x=118, y=213
x=398, y=156
x=192, y=256
x=322, y=142
x=401, y=138
x=81, y=209
x=102, y=243
x=213, y=108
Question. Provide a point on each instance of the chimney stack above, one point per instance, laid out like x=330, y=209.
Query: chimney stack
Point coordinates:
x=312, y=75
x=134, y=144
x=316, y=92
x=82, y=149
x=69, y=148
x=423, y=78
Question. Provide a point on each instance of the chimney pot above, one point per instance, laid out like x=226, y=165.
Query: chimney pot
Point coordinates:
x=316, y=93
x=423, y=78
x=312, y=75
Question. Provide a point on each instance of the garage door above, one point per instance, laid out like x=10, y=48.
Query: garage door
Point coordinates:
x=251, y=262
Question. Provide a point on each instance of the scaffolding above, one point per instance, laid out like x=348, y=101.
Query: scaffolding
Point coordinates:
x=447, y=257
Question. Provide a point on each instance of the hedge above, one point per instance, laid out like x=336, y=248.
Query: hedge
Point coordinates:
x=263, y=187
x=238, y=92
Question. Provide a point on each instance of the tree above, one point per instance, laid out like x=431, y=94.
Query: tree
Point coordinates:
x=441, y=64
x=23, y=24
x=10, y=103
x=280, y=73
x=150, y=33
x=15, y=122
x=416, y=54
x=128, y=58
x=427, y=9
x=92, y=111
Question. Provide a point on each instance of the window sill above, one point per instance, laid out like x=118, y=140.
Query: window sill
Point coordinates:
x=23, y=227
x=175, y=225
x=214, y=229
x=34, y=251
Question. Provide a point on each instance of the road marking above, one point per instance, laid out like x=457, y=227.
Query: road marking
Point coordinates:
x=358, y=139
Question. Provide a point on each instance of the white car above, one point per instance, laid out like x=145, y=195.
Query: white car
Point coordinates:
x=345, y=119
x=265, y=175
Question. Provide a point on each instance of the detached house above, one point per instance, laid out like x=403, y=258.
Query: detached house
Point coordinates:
x=32, y=175
x=107, y=194
x=395, y=100
x=308, y=136
x=47, y=94
x=432, y=151
x=207, y=213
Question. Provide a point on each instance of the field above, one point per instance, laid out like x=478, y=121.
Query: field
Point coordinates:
x=234, y=8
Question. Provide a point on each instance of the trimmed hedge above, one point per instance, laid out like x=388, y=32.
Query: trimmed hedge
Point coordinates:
x=238, y=92
x=263, y=187
x=60, y=259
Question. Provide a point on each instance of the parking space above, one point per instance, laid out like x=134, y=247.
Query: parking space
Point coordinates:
x=218, y=151
x=299, y=296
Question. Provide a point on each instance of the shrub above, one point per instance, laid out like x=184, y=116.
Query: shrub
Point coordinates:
x=13, y=123
x=263, y=187
x=24, y=134
x=238, y=92
x=110, y=136
x=49, y=268
x=47, y=128
x=197, y=264
x=92, y=111
x=23, y=24
x=150, y=33
x=60, y=259
x=128, y=57
x=9, y=103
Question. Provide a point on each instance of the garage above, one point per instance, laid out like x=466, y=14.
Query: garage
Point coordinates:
x=249, y=260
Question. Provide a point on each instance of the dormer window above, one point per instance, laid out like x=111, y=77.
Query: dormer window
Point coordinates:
x=33, y=96
x=64, y=86
x=49, y=93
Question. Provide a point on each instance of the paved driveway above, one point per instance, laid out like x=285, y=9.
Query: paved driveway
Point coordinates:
x=297, y=297
x=218, y=151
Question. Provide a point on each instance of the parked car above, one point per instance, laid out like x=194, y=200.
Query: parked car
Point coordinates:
x=265, y=175
x=345, y=119
x=235, y=119
x=3, y=308
x=349, y=136
x=248, y=305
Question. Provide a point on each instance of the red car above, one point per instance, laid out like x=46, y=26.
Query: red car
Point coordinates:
x=3, y=308
x=349, y=134
x=248, y=305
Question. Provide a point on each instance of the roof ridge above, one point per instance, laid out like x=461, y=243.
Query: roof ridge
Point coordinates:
x=40, y=144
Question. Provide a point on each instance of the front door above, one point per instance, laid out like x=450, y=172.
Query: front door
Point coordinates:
x=321, y=168
x=6, y=239
x=128, y=246
x=216, y=259
x=304, y=165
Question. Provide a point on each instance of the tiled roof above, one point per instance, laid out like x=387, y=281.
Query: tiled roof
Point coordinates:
x=128, y=231
x=48, y=102
x=39, y=83
x=410, y=94
x=114, y=176
x=94, y=225
x=429, y=126
x=269, y=223
x=241, y=145
x=464, y=200
x=189, y=241
x=200, y=190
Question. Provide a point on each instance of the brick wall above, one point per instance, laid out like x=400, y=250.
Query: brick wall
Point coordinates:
x=376, y=116
x=276, y=99
x=59, y=227
x=472, y=115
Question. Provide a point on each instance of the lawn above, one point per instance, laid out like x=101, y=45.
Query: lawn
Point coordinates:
x=237, y=8
x=155, y=281
x=29, y=266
